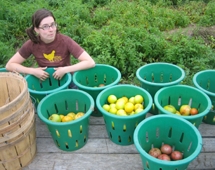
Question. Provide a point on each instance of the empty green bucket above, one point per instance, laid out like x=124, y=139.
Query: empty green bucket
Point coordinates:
x=154, y=76
x=175, y=131
x=90, y=79
x=39, y=89
x=73, y=135
x=204, y=81
x=120, y=129
x=178, y=95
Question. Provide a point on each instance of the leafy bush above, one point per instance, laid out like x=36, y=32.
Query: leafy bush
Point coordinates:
x=125, y=34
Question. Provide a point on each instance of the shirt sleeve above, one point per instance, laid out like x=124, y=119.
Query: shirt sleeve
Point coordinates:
x=74, y=48
x=25, y=51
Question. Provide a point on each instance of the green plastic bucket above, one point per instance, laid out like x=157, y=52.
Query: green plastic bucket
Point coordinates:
x=73, y=135
x=172, y=130
x=3, y=70
x=90, y=79
x=204, y=81
x=120, y=129
x=183, y=95
x=154, y=76
x=39, y=89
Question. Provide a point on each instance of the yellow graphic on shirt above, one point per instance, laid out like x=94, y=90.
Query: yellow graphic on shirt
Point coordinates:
x=51, y=57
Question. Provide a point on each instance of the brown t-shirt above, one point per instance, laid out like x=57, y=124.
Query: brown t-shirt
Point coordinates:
x=54, y=54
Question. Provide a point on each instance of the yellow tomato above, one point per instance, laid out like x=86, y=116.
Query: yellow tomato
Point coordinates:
x=67, y=119
x=125, y=99
x=121, y=112
x=138, y=99
x=138, y=105
x=106, y=107
x=129, y=107
x=61, y=116
x=72, y=114
x=78, y=115
x=112, y=105
x=113, y=110
x=131, y=99
x=112, y=98
x=120, y=104
x=138, y=110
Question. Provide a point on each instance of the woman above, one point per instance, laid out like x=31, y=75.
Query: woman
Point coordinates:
x=50, y=49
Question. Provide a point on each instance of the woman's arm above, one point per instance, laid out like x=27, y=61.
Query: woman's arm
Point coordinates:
x=15, y=64
x=85, y=62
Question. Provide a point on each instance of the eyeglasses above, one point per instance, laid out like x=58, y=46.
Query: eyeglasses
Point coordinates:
x=47, y=27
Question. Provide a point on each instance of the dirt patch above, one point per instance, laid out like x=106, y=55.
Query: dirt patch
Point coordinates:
x=194, y=30
x=207, y=33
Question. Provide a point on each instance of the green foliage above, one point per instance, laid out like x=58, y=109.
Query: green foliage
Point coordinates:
x=6, y=51
x=190, y=53
x=208, y=18
x=124, y=34
x=96, y=3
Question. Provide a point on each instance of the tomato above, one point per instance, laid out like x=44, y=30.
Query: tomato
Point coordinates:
x=176, y=155
x=193, y=111
x=164, y=157
x=170, y=108
x=185, y=110
x=155, y=152
x=101, y=85
x=166, y=149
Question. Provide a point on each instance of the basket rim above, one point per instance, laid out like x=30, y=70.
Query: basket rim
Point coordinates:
x=51, y=91
x=25, y=88
x=186, y=117
x=160, y=84
x=104, y=112
x=48, y=122
x=97, y=88
x=170, y=163
x=198, y=86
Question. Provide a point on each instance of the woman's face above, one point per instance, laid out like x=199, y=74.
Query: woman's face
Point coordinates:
x=47, y=30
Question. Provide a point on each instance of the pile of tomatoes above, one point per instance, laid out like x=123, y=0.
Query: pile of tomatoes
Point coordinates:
x=124, y=106
x=166, y=152
x=184, y=110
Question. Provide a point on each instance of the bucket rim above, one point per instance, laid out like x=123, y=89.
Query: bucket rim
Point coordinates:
x=160, y=84
x=208, y=108
x=97, y=88
x=104, y=112
x=170, y=163
x=48, y=122
x=50, y=91
x=3, y=69
x=197, y=84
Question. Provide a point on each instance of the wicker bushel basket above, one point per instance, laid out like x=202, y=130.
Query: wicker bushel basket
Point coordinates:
x=17, y=123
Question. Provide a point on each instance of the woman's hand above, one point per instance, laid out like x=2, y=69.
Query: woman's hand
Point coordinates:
x=40, y=73
x=59, y=73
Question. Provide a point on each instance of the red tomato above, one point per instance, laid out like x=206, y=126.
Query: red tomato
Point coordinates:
x=176, y=155
x=167, y=149
x=164, y=157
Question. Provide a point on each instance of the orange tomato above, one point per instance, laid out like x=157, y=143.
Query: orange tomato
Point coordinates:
x=193, y=111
